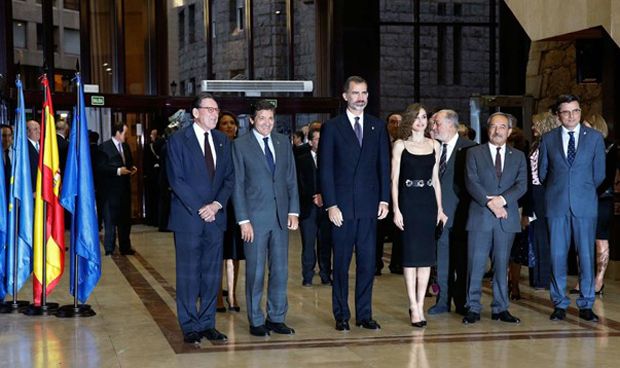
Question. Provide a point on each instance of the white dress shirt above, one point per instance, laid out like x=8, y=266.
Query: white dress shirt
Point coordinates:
x=451, y=145
x=259, y=138
x=566, y=137
x=200, y=136
x=502, y=153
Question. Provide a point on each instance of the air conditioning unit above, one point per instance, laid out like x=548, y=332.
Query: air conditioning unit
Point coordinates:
x=255, y=88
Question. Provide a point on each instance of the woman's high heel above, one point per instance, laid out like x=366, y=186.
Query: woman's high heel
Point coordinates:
x=600, y=292
x=232, y=308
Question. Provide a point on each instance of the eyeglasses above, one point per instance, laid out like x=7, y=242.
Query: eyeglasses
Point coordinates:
x=210, y=109
x=568, y=113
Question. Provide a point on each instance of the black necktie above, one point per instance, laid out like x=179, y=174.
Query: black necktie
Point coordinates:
x=571, y=151
x=209, y=156
x=357, y=127
x=498, y=163
x=442, y=160
x=269, y=156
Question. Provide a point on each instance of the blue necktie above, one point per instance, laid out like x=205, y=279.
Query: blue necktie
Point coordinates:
x=269, y=156
x=357, y=127
x=571, y=151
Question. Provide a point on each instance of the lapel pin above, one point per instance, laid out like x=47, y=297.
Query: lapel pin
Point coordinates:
x=372, y=128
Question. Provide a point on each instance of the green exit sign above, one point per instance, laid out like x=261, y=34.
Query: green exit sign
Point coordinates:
x=97, y=100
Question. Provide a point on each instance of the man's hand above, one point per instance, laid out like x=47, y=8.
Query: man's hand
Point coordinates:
x=335, y=216
x=383, y=211
x=293, y=222
x=208, y=212
x=317, y=199
x=125, y=171
x=247, y=232
x=133, y=170
x=500, y=213
x=495, y=202
x=525, y=221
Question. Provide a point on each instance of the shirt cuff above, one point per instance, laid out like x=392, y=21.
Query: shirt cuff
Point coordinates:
x=118, y=172
x=294, y=214
x=219, y=204
x=385, y=203
x=244, y=222
x=503, y=200
x=329, y=208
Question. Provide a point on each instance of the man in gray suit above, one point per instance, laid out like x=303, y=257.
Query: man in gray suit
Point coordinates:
x=496, y=178
x=266, y=206
x=452, y=245
x=571, y=165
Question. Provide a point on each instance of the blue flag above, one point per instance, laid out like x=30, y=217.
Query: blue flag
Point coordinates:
x=20, y=203
x=3, y=225
x=78, y=197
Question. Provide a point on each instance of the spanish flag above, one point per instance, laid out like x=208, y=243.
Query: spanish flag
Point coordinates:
x=51, y=230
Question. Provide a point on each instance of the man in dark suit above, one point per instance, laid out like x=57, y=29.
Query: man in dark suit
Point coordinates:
x=355, y=180
x=151, y=179
x=452, y=245
x=62, y=131
x=33, y=132
x=266, y=205
x=571, y=166
x=115, y=169
x=313, y=221
x=496, y=178
x=201, y=175
x=7, y=155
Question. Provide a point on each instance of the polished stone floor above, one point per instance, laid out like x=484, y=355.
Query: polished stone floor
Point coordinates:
x=136, y=326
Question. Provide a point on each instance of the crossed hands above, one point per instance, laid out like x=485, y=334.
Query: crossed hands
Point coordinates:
x=496, y=205
x=208, y=212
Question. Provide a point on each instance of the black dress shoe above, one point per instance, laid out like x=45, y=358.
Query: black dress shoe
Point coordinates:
x=279, y=328
x=214, y=335
x=259, y=330
x=461, y=310
x=128, y=252
x=588, y=315
x=326, y=281
x=192, y=338
x=573, y=291
x=220, y=309
x=342, y=325
x=108, y=252
x=306, y=284
x=558, y=314
x=471, y=318
x=505, y=316
x=369, y=324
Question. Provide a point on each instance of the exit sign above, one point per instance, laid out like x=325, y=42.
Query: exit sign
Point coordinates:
x=97, y=100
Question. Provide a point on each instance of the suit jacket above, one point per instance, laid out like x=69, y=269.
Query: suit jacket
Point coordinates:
x=189, y=179
x=307, y=181
x=63, y=150
x=354, y=178
x=572, y=187
x=258, y=195
x=481, y=181
x=33, y=156
x=454, y=195
x=115, y=189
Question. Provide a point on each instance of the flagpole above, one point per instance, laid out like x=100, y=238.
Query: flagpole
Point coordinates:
x=15, y=306
x=76, y=310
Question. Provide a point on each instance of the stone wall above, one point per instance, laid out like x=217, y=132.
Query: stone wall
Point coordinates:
x=552, y=71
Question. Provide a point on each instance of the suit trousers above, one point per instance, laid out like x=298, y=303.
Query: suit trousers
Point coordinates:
x=583, y=230
x=270, y=247
x=315, y=229
x=116, y=216
x=480, y=243
x=358, y=234
x=199, y=274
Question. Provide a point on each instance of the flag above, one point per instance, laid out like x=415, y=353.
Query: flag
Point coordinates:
x=50, y=230
x=20, y=204
x=3, y=228
x=78, y=197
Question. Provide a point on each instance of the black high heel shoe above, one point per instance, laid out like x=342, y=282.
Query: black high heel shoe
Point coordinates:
x=232, y=308
x=420, y=324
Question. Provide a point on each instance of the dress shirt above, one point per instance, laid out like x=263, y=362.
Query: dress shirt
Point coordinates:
x=120, y=151
x=259, y=138
x=200, y=136
x=314, y=158
x=352, y=117
x=502, y=153
x=566, y=137
x=451, y=145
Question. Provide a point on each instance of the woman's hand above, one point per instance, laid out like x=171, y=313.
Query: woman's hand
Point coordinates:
x=398, y=219
x=442, y=217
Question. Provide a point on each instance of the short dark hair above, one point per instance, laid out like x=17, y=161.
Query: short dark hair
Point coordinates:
x=354, y=78
x=199, y=97
x=312, y=132
x=262, y=105
x=6, y=126
x=227, y=113
x=118, y=127
x=387, y=119
x=564, y=99
x=299, y=134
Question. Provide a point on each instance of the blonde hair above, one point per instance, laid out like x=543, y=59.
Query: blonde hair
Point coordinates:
x=545, y=122
x=597, y=121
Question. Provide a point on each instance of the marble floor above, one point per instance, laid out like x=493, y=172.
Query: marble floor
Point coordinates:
x=136, y=326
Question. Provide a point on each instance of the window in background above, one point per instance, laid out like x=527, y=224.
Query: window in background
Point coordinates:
x=19, y=34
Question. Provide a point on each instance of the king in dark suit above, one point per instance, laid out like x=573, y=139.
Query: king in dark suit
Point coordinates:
x=571, y=166
x=452, y=245
x=496, y=178
x=115, y=168
x=355, y=180
x=201, y=175
x=266, y=205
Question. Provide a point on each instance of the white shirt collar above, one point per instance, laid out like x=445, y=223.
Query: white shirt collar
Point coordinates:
x=576, y=130
x=352, y=117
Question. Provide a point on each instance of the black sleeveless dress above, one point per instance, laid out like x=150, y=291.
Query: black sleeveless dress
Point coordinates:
x=417, y=203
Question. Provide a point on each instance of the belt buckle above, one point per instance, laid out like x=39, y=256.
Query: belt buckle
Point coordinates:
x=408, y=183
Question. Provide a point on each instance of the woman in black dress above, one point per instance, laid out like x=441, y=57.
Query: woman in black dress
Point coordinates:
x=416, y=197
x=233, y=245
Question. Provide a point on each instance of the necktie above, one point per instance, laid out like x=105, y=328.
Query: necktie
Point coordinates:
x=571, y=151
x=120, y=150
x=209, y=156
x=269, y=156
x=358, y=129
x=442, y=159
x=498, y=163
